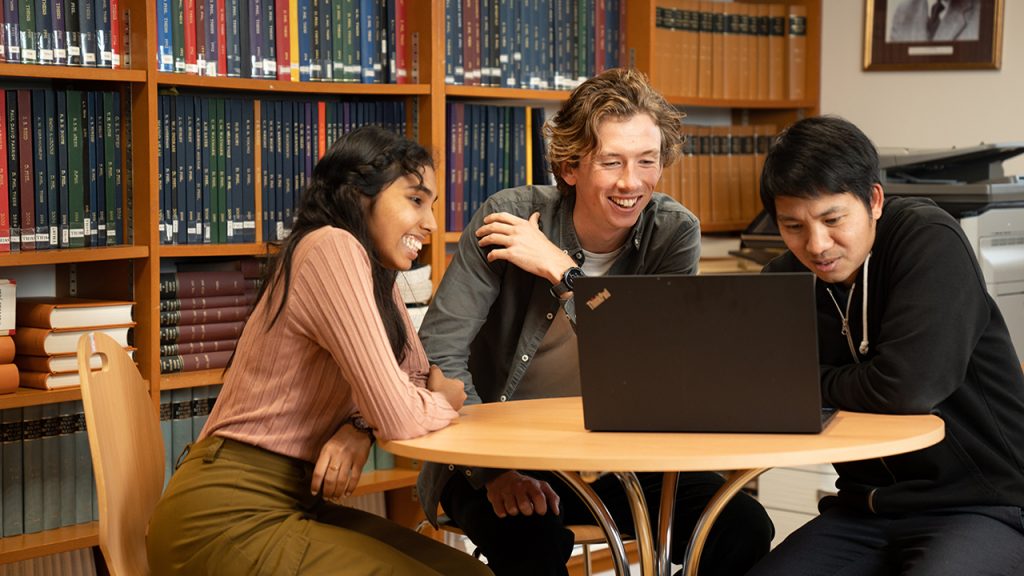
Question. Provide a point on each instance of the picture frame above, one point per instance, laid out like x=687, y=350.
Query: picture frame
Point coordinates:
x=964, y=35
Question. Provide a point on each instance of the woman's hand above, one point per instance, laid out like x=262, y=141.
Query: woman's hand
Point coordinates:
x=454, y=391
x=340, y=463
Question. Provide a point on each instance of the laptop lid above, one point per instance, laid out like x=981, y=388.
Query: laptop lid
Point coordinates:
x=715, y=353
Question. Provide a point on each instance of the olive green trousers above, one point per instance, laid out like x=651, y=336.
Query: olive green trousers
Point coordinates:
x=235, y=509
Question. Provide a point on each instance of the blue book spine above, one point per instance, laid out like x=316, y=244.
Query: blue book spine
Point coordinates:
x=87, y=31
x=11, y=37
x=110, y=153
x=103, y=53
x=51, y=466
x=181, y=421
x=305, y=39
x=32, y=458
x=209, y=38
x=13, y=509
x=200, y=409
x=72, y=34
x=277, y=197
x=269, y=48
x=290, y=165
x=83, y=469
x=57, y=35
x=264, y=167
x=325, y=19
x=118, y=189
x=367, y=40
x=165, y=431
x=44, y=30
x=66, y=442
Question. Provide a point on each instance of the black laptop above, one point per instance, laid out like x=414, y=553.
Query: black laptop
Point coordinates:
x=715, y=353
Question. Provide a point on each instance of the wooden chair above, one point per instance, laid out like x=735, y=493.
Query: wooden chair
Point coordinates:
x=585, y=535
x=127, y=452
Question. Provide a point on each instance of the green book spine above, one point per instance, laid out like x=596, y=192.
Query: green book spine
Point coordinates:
x=13, y=515
x=51, y=466
x=32, y=468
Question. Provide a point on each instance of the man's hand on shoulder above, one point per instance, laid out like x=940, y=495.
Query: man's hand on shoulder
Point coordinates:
x=513, y=493
x=522, y=243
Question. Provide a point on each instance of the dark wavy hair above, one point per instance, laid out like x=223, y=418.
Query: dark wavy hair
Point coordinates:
x=359, y=165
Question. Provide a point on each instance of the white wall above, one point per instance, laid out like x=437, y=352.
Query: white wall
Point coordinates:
x=934, y=109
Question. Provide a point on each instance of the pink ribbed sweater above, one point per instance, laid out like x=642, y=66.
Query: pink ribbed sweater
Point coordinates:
x=291, y=386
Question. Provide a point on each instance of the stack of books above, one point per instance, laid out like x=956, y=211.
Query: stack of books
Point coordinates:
x=48, y=330
x=202, y=313
x=8, y=370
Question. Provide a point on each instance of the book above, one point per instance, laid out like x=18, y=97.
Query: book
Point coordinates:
x=83, y=469
x=197, y=347
x=9, y=377
x=204, y=315
x=65, y=312
x=5, y=206
x=193, y=362
x=13, y=516
x=8, y=309
x=51, y=466
x=165, y=432
x=201, y=284
x=7, y=349
x=48, y=381
x=32, y=472
x=57, y=364
x=43, y=341
x=66, y=441
x=796, y=39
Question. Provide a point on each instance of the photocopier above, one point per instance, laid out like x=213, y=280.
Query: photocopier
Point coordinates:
x=969, y=183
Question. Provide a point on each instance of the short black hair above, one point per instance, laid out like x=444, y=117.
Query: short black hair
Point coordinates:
x=818, y=156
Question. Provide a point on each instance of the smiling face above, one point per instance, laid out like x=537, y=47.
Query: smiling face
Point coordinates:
x=401, y=218
x=614, y=184
x=831, y=234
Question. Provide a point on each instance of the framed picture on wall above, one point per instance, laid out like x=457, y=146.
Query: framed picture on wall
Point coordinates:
x=933, y=34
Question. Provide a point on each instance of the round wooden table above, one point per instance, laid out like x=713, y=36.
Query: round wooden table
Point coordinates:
x=548, y=434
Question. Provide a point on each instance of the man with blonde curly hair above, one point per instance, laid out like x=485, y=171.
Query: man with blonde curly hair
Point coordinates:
x=497, y=323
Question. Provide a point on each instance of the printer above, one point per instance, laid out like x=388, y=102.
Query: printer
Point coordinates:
x=969, y=184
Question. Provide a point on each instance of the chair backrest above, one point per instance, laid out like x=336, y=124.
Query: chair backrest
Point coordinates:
x=127, y=452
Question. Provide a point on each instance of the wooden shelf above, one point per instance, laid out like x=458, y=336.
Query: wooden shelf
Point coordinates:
x=30, y=397
x=519, y=94
x=201, y=250
x=192, y=379
x=26, y=546
x=168, y=79
x=69, y=255
x=382, y=480
x=743, y=104
x=71, y=73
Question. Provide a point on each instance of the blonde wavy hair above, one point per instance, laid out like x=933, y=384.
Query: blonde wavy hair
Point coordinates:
x=617, y=93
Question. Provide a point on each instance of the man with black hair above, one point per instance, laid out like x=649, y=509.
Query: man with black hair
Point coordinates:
x=905, y=327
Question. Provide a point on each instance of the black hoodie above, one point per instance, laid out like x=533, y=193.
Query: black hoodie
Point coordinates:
x=936, y=343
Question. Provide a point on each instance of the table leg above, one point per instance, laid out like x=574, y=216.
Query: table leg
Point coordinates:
x=641, y=522
x=602, y=517
x=669, y=486
x=733, y=484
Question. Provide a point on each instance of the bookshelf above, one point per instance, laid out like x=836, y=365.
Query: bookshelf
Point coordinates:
x=132, y=271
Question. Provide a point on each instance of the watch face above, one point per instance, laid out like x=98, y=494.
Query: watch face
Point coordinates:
x=571, y=275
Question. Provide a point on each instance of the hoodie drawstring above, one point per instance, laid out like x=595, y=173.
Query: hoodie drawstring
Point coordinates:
x=864, y=344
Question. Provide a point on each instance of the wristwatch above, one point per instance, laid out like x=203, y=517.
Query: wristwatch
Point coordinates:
x=568, y=281
x=359, y=423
